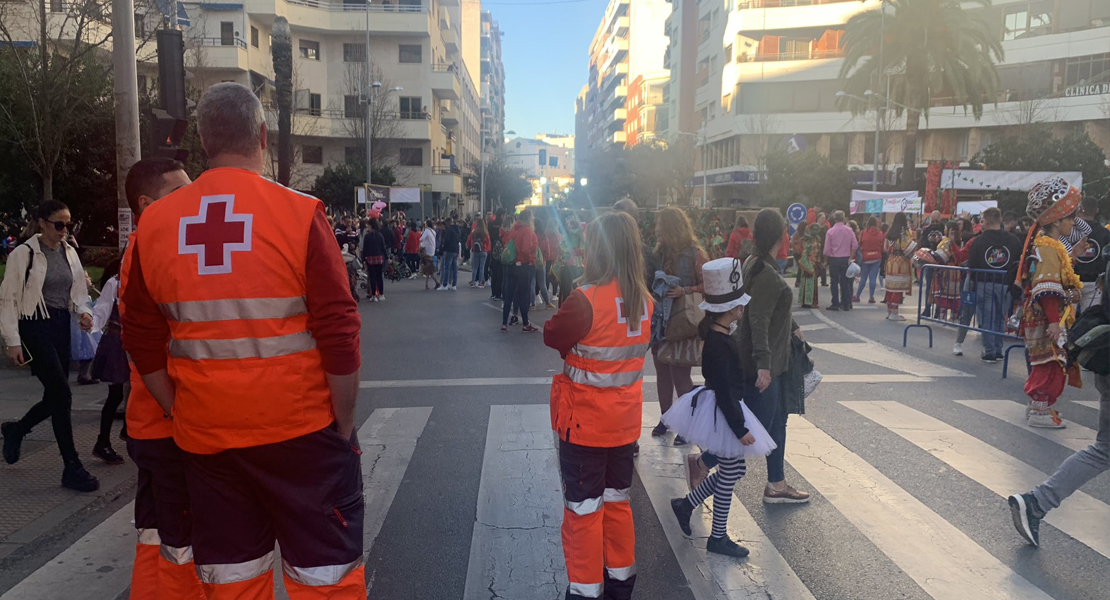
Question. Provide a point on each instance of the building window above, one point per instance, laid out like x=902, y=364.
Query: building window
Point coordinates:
x=354, y=52
x=412, y=108
x=354, y=154
x=410, y=54
x=254, y=36
x=310, y=50
x=412, y=157
x=1027, y=19
x=1093, y=68
x=227, y=33
x=352, y=108
x=312, y=155
x=140, y=26
x=728, y=54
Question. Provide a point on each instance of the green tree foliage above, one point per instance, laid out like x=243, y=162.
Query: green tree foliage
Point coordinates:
x=806, y=177
x=336, y=185
x=506, y=185
x=649, y=173
x=1034, y=148
x=930, y=49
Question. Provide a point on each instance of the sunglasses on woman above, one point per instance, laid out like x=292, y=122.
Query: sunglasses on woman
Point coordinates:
x=60, y=225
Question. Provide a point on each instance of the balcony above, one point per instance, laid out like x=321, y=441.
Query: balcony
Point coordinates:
x=788, y=15
x=450, y=40
x=445, y=81
x=220, y=52
x=351, y=15
x=449, y=116
x=445, y=181
x=618, y=137
x=785, y=3
x=799, y=55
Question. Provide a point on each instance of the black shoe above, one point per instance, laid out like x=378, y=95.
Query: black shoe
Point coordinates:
x=683, y=511
x=725, y=546
x=833, y=308
x=1024, y=509
x=990, y=358
x=89, y=381
x=75, y=477
x=659, y=431
x=105, y=453
x=679, y=440
x=12, y=440
x=635, y=449
x=514, y=320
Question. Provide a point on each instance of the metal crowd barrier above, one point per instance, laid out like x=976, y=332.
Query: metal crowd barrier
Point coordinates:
x=962, y=298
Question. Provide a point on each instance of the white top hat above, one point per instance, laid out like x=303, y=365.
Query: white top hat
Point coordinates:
x=723, y=285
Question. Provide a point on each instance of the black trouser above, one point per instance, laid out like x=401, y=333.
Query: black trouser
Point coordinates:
x=841, y=290
x=161, y=495
x=567, y=275
x=520, y=291
x=496, y=279
x=108, y=413
x=414, y=262
x=47, y=341
x=377, y=283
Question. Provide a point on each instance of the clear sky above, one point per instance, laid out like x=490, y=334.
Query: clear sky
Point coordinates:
x=545, y=50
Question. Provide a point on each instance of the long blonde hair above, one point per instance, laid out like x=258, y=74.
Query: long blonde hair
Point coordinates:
x=675, y=235
x=614, y=251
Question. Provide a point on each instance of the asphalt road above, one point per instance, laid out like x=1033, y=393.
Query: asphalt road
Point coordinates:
x=908, y=482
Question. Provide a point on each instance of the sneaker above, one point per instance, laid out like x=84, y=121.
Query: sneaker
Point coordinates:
x=481, y=286
x=504, y=329
x=1024, y=509
x=529, y=328
x=787, y=495
x=958, y=349
x=514, y=320
x=441, y=288
x=683, y=511
x=895, y=317
x=725, y=546
x=990, y=358
x=75, y=477
x=107, y=454
x=472, y=284
x=659, y=431
x=679, y=440
x=870, y=300
x=454, y=288
x=696, y=472
x=13, y=439
x=1046, y=420
x=855, y=299
x=833, y=308
x=551, y=306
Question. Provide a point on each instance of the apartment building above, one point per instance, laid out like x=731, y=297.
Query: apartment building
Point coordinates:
x=629, y=44
x=765, y=74
x=647, y=118
x=492, y=86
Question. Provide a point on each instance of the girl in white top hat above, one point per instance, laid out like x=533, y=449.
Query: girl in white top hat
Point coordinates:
x=713, y=416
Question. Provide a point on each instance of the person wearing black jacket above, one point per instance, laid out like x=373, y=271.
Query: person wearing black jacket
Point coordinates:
x=998, y=250
x=452, y=240
x=387, y=235
x=1091, y=263
x=374, y=251
x=494, y=267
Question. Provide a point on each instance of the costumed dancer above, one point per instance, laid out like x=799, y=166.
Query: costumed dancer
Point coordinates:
x=1051, y=290
x=713, y=416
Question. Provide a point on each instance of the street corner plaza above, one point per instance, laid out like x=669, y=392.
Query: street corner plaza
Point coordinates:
x=909, y=454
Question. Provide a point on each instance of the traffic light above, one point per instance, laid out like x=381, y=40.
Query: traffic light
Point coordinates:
x=543, y=157
x=166, y=132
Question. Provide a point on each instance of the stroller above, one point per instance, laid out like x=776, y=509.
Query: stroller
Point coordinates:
x=356, y=277
x=397, y=269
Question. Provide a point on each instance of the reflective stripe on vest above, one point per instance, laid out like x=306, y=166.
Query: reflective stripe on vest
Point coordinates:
x=177, y=556
x=610, y=353
x=602, y=380
x=268, y=347
x=320, y=576
x=231, y=573
x=231, y=309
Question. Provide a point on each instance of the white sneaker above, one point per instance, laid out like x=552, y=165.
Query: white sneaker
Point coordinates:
x=1046, y=420
x=895, y=317
x=441, y=288
x=373, y=298
x=958, y=349
x=381, y=298
x=454, y=288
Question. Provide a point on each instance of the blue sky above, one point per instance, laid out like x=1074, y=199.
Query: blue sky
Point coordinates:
x=545, y=50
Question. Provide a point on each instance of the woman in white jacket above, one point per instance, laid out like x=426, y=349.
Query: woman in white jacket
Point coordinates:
x=43, y=283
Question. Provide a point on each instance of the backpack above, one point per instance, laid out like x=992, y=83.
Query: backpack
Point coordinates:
x=1089, y=337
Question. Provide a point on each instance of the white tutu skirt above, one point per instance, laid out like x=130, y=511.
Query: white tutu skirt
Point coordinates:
x=704, y=424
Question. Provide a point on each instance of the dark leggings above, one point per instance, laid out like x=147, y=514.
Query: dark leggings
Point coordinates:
x=377, y=284
x=108, y=413
x=47, y=341
x=518, y=288
x=414, y=262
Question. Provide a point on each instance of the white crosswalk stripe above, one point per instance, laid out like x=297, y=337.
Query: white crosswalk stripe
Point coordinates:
x=1084, y=518
x=1075, y=436
x=1088, y=403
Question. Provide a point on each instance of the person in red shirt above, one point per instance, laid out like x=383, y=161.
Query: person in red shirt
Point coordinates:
x=811, y=215
x=479, y=244
x=871, y=250
x=740, y=233
x=521, y=270
x=412, y=248
x=784, y=251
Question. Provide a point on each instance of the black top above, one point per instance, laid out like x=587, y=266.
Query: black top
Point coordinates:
x=373, y=244
x=451, y=239
x=995, y=249
x=387, y=235
x=1092, y=263
x=720, y=365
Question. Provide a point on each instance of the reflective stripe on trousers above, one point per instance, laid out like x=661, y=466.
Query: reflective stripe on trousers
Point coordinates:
x=586, y=590
x=621, y=573
x=602, y=380
x=584, y=507
x=233, y=309
x=320, y=576
x=613, y=353
x=268, y=347
x=231, y=573
x=614, y=495
x=149, y=537
x=177, y=556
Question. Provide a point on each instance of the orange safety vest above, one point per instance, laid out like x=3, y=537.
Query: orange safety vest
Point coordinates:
x=145, y=418
x=224, y=258
x=598, y=398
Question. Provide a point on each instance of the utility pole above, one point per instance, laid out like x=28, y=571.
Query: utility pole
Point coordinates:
x=878, y=115
x=126, y=93
x=369, y=91
x=482, y=176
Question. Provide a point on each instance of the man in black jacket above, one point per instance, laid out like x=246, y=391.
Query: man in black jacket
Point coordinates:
x=998, y=251
x=451, y=241
x=1091, y=261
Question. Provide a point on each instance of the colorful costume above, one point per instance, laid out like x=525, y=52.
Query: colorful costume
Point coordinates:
x=899, y=269
x=946, y=283
x=809, y=264
x=1051, y=288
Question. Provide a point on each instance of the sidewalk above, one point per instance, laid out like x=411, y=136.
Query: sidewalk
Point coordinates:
x=34, y=501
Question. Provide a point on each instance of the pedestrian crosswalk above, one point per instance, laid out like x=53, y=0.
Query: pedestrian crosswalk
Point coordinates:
x=515, y=546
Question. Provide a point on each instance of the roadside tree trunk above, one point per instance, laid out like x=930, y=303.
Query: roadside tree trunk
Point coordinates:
x=283, y=82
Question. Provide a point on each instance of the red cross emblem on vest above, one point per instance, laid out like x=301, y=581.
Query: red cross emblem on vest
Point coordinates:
x=215, y=233
x=622, y=318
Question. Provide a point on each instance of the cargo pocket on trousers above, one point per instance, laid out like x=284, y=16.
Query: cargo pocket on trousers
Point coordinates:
x=346, y=520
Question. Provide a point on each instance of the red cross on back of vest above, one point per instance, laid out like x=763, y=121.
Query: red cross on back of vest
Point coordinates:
x=215, y=233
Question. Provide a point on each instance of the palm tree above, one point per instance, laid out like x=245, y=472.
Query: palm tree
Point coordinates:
x=930, y=48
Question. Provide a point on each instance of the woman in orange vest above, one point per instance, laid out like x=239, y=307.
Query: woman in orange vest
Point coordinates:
x=602, y=332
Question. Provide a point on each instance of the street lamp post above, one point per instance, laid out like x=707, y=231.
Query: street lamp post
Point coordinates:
x=369, y=116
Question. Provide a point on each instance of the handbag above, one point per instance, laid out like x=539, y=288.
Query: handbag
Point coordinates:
x=809, y=383
x=508, y=255
x=684, y=319
x=680, y=353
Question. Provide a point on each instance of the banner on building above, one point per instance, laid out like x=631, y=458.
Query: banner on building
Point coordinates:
x=868, y=202
x=995, y=181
